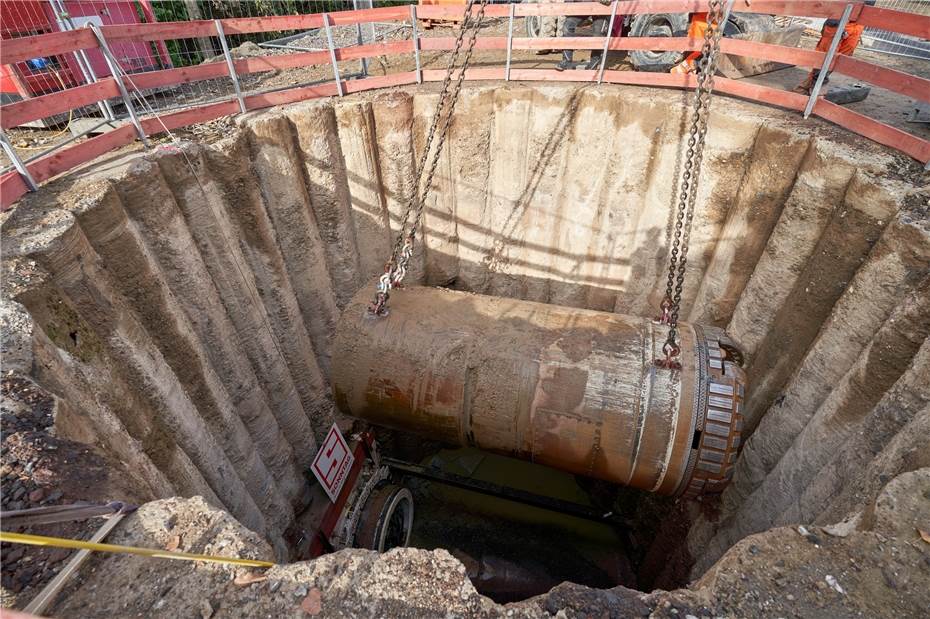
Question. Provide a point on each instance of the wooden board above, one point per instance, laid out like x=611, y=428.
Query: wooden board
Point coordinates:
x=21, y=112
x=73, y=156
x=171, y=77
x=160, y=31
x=192, y=116
x=12, y=188
x=258, y=64
x=761, y=94
x=890, y=79
x=810, y=8
x=896, y=21
x=772, y=52
x=382, y=81
x=24, y=48
x=376, y=49
x=874, y=130
x=735, y=66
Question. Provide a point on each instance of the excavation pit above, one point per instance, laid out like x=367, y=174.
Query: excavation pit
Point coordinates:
x=180, y=305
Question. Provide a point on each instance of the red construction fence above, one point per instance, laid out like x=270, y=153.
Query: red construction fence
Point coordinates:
x=12, y=184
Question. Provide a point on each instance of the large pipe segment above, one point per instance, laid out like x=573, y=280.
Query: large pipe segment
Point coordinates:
x=573, y=389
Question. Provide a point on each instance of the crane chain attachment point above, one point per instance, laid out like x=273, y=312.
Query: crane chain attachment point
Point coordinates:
x=717, y=16
x=396, y=267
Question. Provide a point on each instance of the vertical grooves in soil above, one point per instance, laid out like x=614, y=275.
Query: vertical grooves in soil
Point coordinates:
x=191, y=327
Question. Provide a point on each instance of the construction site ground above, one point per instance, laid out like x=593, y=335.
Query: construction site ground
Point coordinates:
x=834, y=572
x=876, y=564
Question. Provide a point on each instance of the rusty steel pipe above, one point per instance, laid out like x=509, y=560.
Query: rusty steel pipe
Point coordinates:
x=573, y=389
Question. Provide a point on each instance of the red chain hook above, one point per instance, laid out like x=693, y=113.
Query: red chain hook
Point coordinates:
x=669, y=362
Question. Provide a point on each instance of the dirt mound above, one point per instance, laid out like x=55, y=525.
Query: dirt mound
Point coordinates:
x=786, y=572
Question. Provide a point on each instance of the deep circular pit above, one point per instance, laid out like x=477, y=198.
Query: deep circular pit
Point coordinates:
x=181, y=305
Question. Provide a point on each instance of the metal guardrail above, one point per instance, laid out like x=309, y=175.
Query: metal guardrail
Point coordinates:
x=228, y=78
x=85, y=66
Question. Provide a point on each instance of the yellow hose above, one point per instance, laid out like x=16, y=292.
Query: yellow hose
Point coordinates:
x=60, y=542
x=63, y=131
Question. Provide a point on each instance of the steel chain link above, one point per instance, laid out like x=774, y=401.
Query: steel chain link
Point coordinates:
x=396, y=268
x=694, y=154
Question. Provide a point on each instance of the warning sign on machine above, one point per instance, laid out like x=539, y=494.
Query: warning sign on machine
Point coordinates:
x=333, y=463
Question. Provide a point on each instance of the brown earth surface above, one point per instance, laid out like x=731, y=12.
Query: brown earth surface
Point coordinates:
x=830, y=572
x=42, y=469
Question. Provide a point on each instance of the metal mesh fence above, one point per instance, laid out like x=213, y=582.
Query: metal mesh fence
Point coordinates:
x=134, y=59
x=179, y=53
x=894, y=42
x=46, y=74
x=51, y=73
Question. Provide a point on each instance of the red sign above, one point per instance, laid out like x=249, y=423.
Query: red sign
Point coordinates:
x=333, y=462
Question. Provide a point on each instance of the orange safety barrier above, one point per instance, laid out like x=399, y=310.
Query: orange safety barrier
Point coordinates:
x=12, y=186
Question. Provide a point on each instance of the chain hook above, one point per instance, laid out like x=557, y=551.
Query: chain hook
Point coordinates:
x=717, y=16
x=402, y=250
x=671, y=350
x=377, y=305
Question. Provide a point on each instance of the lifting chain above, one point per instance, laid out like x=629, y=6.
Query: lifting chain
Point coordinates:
x=716, y=19
x=396, y=268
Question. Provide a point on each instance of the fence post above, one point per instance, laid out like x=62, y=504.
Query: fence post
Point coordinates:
x=115, y=71
x=17, y=163
x=509, y=44
x=230, y=65
x=80, y=56
x=332, y=53
x=360, y=39
x=828, y=60
x=610, y=30
x=371, y=25
x=416, y=42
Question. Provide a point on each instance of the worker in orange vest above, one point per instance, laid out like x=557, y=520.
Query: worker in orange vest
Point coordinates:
x=696, y=30
x=848, y=44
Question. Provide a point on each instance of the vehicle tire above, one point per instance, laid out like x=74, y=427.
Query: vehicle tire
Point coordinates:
x=746, y=23
x=657, y=25
x=532, y=26
x=532, y=23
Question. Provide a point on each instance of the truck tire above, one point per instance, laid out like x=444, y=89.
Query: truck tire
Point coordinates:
x=532, y=22
x=657, y=25
x=746, y=23
x=676, y=25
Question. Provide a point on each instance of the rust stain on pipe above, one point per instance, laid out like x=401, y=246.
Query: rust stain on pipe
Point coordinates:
x=573, y=389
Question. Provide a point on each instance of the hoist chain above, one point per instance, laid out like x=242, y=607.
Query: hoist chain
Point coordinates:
x=396, y=268
x=707, y=66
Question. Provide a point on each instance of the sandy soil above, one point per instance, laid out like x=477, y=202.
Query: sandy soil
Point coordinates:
x=786, y=572
x=41, y=469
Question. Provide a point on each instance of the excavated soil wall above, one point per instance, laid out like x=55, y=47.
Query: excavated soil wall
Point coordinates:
x=180, y=303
